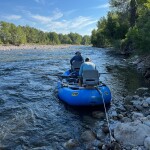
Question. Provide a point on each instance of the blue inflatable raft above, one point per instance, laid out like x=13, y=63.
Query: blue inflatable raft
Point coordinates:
x=71, y=93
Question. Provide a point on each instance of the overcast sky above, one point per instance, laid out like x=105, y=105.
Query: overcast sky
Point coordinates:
x=61, y=16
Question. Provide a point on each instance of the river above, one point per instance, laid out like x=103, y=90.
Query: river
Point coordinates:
x=31, y=115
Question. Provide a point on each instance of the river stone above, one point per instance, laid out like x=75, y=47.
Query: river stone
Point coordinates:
x=136, y=148
x=100, y=134
x=98, y=114
x=136, y=102
x=88, y=136
x=131, y=134
x=145, y=104
x=120, y=116
x=141, y=91
x=146, y=120
x=72, y=143
x=137, y=116
x=126, y=119
x=148, y=100
x=114, y=114
x=147, y=143
x=135, y=97
x=128, y=99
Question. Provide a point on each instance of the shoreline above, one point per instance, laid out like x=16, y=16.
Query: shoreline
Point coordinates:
x=25, y=47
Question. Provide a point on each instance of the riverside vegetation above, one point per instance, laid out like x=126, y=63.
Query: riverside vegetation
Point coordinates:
x=126, y=28
x=17, y=35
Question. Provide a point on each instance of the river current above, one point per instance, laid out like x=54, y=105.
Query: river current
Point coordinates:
x=31, y=115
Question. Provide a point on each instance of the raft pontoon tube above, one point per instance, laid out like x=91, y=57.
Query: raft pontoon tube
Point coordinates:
x=71, y=93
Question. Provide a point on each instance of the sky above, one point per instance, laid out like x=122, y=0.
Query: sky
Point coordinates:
x=60, y=16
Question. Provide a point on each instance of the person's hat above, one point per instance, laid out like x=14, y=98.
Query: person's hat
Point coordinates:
x=77, y=52
x=87, y=59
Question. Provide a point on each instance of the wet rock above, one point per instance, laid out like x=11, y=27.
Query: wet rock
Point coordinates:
x=93, y=145
x=129, y=107
x=145, y=105
x=131, y=134
x=138, y=107
x=100, y=134
x=137, y=116
x=147, y=74
x=141, y=91
x=113, y=146
x=114, y=114
x=148, y=100
x=126, y=119
x=146, y=120
x=72, y=143
x=128, y=99
x=97, y=143
x=87, y=119
x=135, y=97
x=98, y=114
x=121, y=108
x=105, y=129
x=88, y=136
x=147, y=143
x=136, y=102
x=90, y=147
x=120, y=116
x=146, y=94
x=140, y=66
x=137, y=148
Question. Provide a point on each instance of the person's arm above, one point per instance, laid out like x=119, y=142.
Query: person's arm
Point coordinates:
x=82, y=59
x=81, y=70
x=71, y=60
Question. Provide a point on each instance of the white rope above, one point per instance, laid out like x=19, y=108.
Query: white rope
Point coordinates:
x=107, y=119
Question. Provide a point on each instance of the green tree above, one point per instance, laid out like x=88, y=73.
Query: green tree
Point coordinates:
x=75, y=38
x=4, y=32
x=54, y=39
x=86, y=40
x=94, y=40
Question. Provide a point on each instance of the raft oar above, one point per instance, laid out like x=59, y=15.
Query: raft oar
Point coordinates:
x=104, y=73
x=69, y=76
x=111, y=137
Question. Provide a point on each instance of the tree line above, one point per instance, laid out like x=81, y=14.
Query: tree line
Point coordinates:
x=126, y=27
x=17, y=35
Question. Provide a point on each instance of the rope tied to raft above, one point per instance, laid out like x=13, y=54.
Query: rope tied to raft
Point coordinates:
x=107, y=118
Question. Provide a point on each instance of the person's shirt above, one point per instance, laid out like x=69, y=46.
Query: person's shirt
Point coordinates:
x=76, y=58
x=86, y=66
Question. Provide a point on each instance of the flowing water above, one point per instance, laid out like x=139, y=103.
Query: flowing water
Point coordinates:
x=31, y=115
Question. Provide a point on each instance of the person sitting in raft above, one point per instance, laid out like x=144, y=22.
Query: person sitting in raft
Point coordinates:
x=76, y=58
x=87, y=65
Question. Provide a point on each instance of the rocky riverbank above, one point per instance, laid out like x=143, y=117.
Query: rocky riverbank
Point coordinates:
x=129, y=124
x=24, y=47
x=129, y=119
x=142, y=64
x=129, y=115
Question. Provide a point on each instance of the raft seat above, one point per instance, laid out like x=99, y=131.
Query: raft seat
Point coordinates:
x=76, y=65
x=90, y=77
